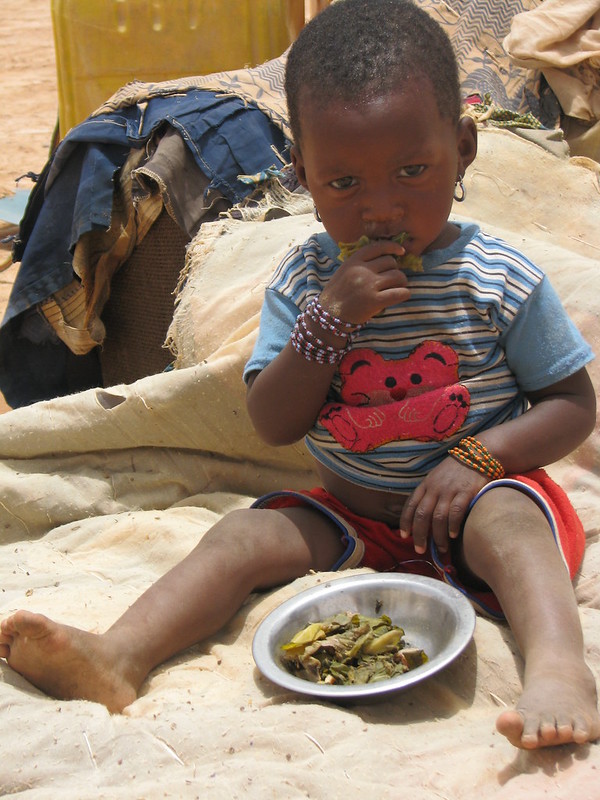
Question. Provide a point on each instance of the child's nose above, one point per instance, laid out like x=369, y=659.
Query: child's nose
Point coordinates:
x=382, y=208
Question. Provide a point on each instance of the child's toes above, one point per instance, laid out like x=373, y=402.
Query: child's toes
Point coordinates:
x=6, y=640
x=537, y=732
x=583, y=730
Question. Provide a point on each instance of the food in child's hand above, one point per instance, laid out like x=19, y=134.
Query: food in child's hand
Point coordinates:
x=407, y=261
x=349, y=648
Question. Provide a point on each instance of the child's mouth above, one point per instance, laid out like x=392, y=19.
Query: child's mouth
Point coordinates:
x=407, y=261
x=399, y=238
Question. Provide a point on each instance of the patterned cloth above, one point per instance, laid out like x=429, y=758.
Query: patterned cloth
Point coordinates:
x=483, y=109
x=262, y=85
x=477, y=29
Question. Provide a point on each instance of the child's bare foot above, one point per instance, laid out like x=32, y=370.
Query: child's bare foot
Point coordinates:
x=64, y=662
x=558, y=706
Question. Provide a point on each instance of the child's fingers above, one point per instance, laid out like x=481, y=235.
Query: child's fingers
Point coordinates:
x=375, y=250
x=415, y=520
x=439, y=526
x=360, y=289
x=457, y=513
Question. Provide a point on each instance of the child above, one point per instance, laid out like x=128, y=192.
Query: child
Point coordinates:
x=418, y=386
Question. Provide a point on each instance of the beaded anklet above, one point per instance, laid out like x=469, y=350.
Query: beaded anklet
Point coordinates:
x=475, y=455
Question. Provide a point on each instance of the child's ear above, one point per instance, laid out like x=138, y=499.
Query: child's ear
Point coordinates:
x=466, y=140
x=298, y=163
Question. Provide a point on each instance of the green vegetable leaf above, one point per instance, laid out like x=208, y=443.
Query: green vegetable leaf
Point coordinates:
x=350, y=649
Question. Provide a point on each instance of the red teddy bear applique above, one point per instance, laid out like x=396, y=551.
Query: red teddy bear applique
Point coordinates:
x=381, y=401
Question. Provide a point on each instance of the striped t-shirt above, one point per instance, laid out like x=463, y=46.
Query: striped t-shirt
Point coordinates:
x=482, y=326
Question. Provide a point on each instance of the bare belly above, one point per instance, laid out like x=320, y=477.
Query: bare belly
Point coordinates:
x=385, y=506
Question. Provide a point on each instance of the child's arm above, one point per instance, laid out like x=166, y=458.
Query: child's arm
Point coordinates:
x=285, y=398
x=561, y=417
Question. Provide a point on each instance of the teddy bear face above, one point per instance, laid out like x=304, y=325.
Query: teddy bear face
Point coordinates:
x=383, y=401
x=369, y=379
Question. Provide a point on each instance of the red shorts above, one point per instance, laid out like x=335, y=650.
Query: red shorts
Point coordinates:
x=370, y=543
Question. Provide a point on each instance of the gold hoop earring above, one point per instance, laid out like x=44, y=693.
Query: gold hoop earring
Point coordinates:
x=459, y=190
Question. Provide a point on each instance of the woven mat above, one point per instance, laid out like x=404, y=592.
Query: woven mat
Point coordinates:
x=140, y=307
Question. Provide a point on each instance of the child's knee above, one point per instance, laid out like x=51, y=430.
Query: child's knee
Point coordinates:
x=252, y=532
x=504, y=527
x=240, y=524
x=504, y=511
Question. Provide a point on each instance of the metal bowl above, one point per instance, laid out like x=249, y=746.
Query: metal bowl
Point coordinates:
x=434, y=616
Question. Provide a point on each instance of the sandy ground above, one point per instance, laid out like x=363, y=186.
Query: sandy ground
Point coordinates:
x=29, y=95
x=29, y=98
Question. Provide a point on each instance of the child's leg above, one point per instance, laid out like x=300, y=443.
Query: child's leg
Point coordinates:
x=508, y=543
x=244, y=551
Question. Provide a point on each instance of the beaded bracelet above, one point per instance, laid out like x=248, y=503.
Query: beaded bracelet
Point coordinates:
x=475, y=455
x=312, y=337
x=328, y=321
x=312, y=340
x=312, y=348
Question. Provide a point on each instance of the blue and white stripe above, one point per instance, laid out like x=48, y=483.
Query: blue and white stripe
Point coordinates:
x=467, y=297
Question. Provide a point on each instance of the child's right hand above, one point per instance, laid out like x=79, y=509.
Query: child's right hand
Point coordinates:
x=369, y=281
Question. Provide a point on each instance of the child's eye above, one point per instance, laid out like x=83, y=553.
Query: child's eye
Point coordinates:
x=412, y=170
x=343, y=183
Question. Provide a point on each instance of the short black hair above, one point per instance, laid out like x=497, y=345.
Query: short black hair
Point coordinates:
x=360, y=49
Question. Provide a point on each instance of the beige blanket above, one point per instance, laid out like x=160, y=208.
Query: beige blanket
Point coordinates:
x=562, y=38
x=101, y=492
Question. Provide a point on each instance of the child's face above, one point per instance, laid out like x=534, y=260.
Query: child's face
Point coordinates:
x=384, y=167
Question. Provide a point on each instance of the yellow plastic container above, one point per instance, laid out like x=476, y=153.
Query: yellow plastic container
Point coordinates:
x=103, y=44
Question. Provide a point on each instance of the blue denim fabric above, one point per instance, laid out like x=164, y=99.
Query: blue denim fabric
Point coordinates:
x=226, y=136
x=79, y=199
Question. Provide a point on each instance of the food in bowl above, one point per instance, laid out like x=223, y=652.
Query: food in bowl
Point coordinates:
x=435, y=617
x=349, y=648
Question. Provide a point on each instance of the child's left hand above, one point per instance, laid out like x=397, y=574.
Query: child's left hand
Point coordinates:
x=437, y=507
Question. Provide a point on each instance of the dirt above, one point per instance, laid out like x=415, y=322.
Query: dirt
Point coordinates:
x=28, y=80
x=29, y=102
